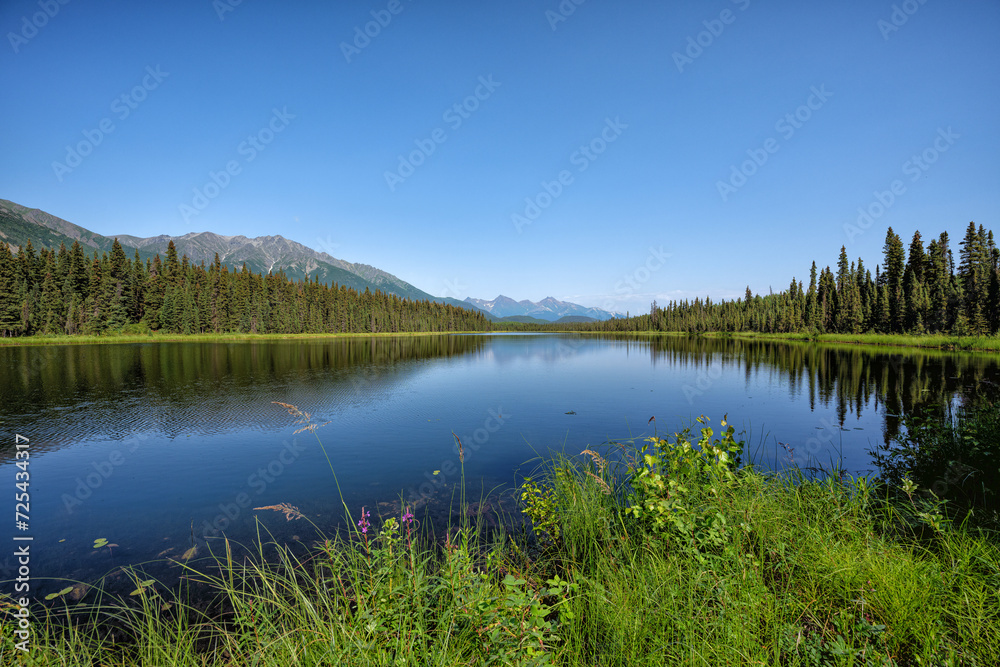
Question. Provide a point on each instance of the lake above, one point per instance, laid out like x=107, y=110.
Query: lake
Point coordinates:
x=158, y=447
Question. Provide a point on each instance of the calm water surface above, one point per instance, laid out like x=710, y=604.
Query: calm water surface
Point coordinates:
x=161, y=446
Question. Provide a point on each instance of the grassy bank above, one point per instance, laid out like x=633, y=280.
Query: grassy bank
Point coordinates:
x=935, y=341
x=939, y=342
x=199, y=338
x=662, y=554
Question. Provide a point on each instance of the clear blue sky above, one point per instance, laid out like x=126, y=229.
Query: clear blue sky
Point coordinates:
x=201, y=78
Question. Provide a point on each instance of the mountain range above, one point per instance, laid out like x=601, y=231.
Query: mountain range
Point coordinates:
x=261, y=254
x=549, y=309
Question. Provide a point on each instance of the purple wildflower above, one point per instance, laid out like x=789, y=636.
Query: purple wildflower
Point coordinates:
x=363, y=523
x=407, y=518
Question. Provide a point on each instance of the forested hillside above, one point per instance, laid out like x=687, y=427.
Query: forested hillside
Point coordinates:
x=919, y=290
x=65, y=291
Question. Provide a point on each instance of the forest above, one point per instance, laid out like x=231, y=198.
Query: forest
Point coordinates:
x=69, y=292
x=915, y=291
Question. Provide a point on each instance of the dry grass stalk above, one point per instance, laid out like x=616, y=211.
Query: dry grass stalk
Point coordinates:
x=302, y=417
x=598, y=461
x=290, y=511
x=605, y=489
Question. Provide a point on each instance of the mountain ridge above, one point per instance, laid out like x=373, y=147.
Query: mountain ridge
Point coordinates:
x=549, y=309
x=261, y=254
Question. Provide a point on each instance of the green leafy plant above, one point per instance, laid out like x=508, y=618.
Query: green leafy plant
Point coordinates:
x=541, y=507
x=670, y=480
x=516, y=622
x=849, y=641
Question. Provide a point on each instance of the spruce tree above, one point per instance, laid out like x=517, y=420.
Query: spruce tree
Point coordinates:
x=115, y=296
x=10, y=312
x=893, y=272
x=973, y=276
x=50, y=306
x=812, y=302
x=78, y=271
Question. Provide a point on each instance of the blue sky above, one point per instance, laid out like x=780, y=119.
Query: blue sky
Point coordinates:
x=606, y=153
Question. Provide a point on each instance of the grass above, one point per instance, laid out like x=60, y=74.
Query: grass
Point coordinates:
x=932, y=341
x=663, y=553
x=935, y=341
x=926, y=341
x=82, y=339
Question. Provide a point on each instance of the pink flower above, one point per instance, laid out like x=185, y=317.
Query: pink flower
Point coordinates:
x=363, y=523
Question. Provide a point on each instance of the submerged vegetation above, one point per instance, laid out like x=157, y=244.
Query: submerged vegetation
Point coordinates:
x=666, y=551
x=952, y=457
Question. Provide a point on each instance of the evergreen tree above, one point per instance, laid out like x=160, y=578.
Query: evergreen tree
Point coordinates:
x=78, y=271
x=136, y=285
x=115, y=297
x=812, y=315
x=154, y=294
x=937, y=279
x=50, y=306
x=172, y=268
x=893, y=272
x=93, y=316
x=972, y=272
x=10, y=311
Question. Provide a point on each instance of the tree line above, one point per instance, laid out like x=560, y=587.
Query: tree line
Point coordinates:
x=67, y=291
x=915, y=290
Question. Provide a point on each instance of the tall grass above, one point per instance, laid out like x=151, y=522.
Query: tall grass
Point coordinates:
x=668, y=553
x=932, y=341
x=157, y=337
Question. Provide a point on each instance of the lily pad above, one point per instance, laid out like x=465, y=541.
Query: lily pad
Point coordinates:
x=100, y=542
x=143, y=585
x=53, y=596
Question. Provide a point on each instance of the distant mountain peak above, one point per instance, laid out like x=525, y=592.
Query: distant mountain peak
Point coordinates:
x=261, y=254
x=549, y=309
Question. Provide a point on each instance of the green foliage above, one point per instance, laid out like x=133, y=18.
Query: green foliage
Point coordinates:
x=815, y=573
x=540, y=506
x=515, y=622
x=854, y=642
x=109, y=293
x=954, y=460
x=922, y=293
x=672, y=482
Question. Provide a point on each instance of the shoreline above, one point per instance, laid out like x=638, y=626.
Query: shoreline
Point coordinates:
x=939, y=342
x=85, y=339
